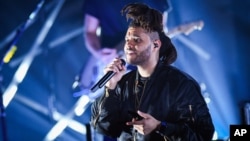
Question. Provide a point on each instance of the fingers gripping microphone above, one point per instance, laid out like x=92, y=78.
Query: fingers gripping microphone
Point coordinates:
x=105, y=79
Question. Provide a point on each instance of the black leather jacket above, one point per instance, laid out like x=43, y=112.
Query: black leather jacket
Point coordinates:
x=171, y=96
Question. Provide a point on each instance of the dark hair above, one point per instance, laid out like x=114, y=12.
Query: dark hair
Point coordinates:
x=141, y=15
x=168, y=53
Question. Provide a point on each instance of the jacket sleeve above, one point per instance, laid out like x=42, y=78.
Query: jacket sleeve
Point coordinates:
x=194, y=122
x=105, y=114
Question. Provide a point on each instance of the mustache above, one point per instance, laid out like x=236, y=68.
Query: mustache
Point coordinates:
x=131, y=49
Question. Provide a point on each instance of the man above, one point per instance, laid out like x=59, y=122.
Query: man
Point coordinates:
x=155, y=102
x=103, y=33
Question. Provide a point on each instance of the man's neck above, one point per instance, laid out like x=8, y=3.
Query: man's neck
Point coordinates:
x=147, y=69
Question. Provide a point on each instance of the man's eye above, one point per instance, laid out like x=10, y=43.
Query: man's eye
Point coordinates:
x=137, y=40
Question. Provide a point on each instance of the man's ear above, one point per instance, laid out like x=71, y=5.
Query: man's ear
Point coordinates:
x=157, y=43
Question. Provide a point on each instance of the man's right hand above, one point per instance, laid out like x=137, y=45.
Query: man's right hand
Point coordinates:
x=116, y=66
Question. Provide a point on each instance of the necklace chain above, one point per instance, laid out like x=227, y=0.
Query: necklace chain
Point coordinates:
x=138, y=98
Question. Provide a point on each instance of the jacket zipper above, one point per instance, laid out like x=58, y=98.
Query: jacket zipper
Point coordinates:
x=191, y=113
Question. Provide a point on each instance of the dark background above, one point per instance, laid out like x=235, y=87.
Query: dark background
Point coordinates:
x=217, y=56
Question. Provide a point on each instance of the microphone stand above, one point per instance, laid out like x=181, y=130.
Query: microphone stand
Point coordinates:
x=9, y=51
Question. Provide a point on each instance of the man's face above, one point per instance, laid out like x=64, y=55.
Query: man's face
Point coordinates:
x=138, y=46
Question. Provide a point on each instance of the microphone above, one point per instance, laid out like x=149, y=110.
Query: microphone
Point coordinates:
x=105, y=79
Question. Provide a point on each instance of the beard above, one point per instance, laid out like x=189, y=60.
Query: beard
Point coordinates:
x=139, y=58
